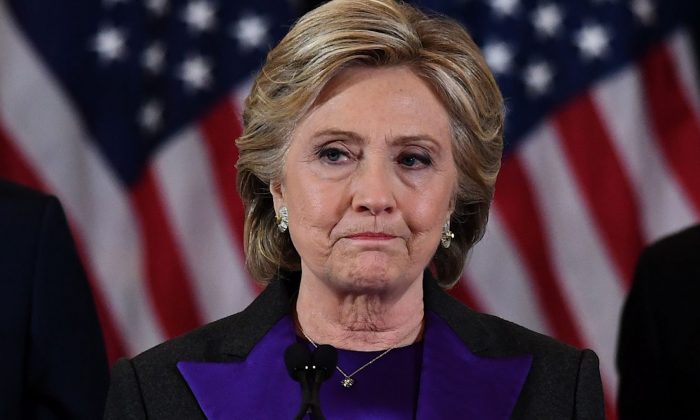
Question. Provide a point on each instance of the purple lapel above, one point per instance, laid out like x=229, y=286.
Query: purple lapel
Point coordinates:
x=456, y=383
x=257, y=387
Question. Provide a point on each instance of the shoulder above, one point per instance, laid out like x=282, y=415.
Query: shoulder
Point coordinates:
x=496, y=337
x=558, y=369
x=15, y=197
x=153, y=376
x=491, y=334
x=29, y=221
x=667, y=270
x=150, y=384
x=230, y=337
x=204, y=343
x=508, y=337
x=16, y=192
x=562, y=379
x=23, y=210
x=33, y=232
x=678, y=248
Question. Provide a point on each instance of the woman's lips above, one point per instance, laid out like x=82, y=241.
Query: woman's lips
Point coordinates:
x=377, y=236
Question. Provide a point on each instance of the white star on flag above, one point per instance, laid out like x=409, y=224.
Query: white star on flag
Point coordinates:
x=151, y=116
x=504, y=8
x=499, y=57
x=110, y=43
x=592, y=41
x=251, y=32
x=195, y=72
x=199, y=15
x=547, y=19
x=157, y=7
x=154, y=57
x=644, y=11
x=538, y=77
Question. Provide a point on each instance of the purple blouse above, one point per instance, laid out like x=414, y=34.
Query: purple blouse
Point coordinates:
x=440, y=379
x=387, y=389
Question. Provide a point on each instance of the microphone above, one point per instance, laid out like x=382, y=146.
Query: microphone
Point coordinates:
x=325, y=358
x=297, y=358
x=304, y=367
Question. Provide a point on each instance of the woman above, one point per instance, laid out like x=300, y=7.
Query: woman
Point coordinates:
x=373, y=137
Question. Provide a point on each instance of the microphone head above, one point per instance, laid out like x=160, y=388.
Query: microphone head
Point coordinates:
x=325, y=359
x=296, y=358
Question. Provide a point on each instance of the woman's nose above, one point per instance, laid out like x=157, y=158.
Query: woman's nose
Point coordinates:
x=373, y=191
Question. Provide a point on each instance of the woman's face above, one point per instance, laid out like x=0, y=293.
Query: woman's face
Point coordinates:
x=368, y=181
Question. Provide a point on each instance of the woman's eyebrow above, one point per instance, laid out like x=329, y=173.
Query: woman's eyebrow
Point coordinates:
x=334, y=132
x=414, y=138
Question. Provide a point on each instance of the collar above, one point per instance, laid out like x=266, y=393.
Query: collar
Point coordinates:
x=463, y=374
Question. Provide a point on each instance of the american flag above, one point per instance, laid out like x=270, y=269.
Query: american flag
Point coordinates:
x=602, y=157
x=127, y=111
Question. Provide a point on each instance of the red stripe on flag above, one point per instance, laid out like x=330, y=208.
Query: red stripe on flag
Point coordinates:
x=603, y=181
x=14, y=167
x=168, y=281
x=515, y=203
x=676, y=127
x=220, y=128
x=610, y=404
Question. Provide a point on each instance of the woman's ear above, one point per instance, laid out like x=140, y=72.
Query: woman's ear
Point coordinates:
x=453, y=204
x=277, y=191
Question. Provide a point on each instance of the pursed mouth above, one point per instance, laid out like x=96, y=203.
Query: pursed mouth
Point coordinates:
x=371, y=236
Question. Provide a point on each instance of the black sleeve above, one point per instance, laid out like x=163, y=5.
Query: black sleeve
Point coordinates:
x=67, y=371
x=124, y=400
x=658, y=354
x=638, y=353
x=589, y=389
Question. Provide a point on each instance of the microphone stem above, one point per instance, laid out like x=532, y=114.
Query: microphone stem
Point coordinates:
x=305, y=396
x=315, y=400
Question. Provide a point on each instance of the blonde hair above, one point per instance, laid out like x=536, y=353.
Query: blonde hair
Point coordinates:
x=344, y=33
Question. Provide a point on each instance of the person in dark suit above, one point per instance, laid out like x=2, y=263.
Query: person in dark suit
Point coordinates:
x=372, y=139
x=53, y=357
x=473, y=366
x=658, y=356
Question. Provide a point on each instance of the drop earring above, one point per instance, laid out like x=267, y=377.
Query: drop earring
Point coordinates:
x=447, y=235
x=282, y=219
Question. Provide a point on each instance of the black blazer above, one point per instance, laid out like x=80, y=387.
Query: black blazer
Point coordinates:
x=658, y=354
x=562, y=382
x=53, y=363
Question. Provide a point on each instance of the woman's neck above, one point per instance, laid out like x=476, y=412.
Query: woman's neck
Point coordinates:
x=361, y=322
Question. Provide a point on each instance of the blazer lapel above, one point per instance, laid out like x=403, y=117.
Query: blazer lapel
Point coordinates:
x=241, y=389
x=456, y=383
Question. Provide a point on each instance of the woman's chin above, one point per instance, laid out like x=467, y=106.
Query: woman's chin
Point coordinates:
x=370, y=276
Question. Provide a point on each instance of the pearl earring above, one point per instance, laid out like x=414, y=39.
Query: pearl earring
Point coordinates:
x=282, y=219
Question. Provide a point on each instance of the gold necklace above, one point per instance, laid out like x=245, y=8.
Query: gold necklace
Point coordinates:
x=348, y=380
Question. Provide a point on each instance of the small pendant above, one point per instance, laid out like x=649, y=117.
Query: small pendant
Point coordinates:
x=347, y=382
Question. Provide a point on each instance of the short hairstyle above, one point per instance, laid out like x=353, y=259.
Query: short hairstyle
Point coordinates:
x=374, y=33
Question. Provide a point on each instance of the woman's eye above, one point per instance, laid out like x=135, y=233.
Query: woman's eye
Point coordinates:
x=333, y=154
x=414, y=160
